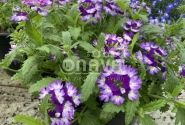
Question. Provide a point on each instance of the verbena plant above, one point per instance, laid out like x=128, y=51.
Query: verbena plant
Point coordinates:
x=90, y=60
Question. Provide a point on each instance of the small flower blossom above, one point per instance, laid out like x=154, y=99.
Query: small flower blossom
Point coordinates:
x=116, y=46
x=131, y=27
x=151, y=55
x=182, y=70
x=40, y=6
x=90, y=10
x=63, y=2
x=64, y=97
x=112, y=8
x=115, y=83
x=19, y=16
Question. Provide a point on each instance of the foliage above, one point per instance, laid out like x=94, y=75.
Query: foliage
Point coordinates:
x=48, y=46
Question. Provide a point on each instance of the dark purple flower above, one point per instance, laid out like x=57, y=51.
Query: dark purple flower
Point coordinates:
x=112, y=8
x=90, y=10
x=131, y=27
x=116, y=46
x=115, y=83
x=64, y=97
x=151, y=55
x=182, y=70
x=19, y=16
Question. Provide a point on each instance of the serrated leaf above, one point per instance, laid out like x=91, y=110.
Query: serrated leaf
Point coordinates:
x=177, y=90
x=33, y=33
x=123, y=4
x=146, y=120
x=66, y=37
x=134, y=40
x=131, y=108
x=40, y=84
x=88, y=86
x=111, y=108
x=29, y=64
x=75, y=32
x=153, y=106
x=43, y=107
x=27, y=120
x=8, y=59
x=89, y=119
x=180, y=116
x=87, y=46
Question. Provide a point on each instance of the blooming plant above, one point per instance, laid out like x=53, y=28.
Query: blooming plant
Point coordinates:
x=88, y=60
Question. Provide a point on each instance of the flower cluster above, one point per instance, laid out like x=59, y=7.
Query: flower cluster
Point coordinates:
x=137, y=5
x=65, y=98
x=112, y=8
x=116, y=46
x=131, y=27
x=160, y=14
x=18, y=15
x=40, y=6
x=91, y=10
x=117, y=83
x=182, y=70
x=151, y=55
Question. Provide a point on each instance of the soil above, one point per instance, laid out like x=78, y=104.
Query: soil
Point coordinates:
x=14, y=100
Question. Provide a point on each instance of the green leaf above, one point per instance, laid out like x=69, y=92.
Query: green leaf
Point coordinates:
x=8, y=59
x=146, y=120
x=134, y=40
x=75, y=32
x=66, y=37
x=41, y=84
x=29, y=64
x=87, y=46
x=100, y=42
x=111, y=108
x=123, y=4
x=33, y=33
x=180, y=116
x=43, y=107
x=27, y=120
x=131, y=108
x=88, y=86
x=177, y=90
x=89, y=119
x=155, y=105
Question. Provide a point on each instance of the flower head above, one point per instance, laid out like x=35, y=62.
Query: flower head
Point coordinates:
x=112, y=8
x=19, y=16
x=115, y=83
x=151, y=55
x=90, y=10
x=116, y=46
x=64, y=97
x=131, y=27
x=182, y=70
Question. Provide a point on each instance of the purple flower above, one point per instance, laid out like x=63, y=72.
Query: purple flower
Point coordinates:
x=19, y=16
x=182, y=70
x=115, y=83
x=151, y=55
x=131, y=27
x=116, y=46
x=90, y=10
x=40, y=6
x=112, y=8
x=64, y=97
